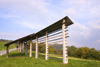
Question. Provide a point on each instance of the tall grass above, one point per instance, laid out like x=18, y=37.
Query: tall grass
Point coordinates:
x=20, y=60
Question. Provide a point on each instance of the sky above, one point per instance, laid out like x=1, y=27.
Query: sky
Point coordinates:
x=19, y=18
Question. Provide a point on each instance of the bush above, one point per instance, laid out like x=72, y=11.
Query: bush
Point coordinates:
x=93, y=54
x=81, y=52
x=72, y=50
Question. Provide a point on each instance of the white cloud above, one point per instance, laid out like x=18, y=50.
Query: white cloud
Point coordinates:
x=35, y=26
x=98, y=41
x=85, y=9
x=79, y=30
x=77, y=2
x=69, y=11
x=94, y=24
x=12, y=36
x=85, y=34
x=32, y=13
x=20, y=7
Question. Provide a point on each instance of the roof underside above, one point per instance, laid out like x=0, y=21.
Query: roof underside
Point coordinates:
x=53, y=27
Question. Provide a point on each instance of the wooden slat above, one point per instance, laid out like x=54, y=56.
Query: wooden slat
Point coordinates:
x=55, y=39
x=41, y=39
x=55, y=36
x=55, y=42
x=66, y=30
x=67, y=36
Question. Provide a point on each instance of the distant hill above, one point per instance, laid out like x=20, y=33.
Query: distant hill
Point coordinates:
x=4, y=40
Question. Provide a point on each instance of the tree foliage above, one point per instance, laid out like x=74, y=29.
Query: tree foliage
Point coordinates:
x=41, y=47
x=81, y=52
x=71, y=50
x=93, y=54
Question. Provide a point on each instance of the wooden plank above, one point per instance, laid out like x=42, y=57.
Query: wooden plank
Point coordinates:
x=55, y=33
x=55, y=42
x=55, y=39
x=55, y=36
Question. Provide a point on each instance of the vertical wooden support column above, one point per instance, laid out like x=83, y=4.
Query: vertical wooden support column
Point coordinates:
x=65, y=56
x=19, y=47
x=7, y=53
x=36, y=55
x=31, y=48
x=22, y=47
x=46, y=55
x=26, y=48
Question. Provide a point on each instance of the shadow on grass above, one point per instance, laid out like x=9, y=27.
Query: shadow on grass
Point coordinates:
x=22, y=55
x=17, y=55
x=55, y=58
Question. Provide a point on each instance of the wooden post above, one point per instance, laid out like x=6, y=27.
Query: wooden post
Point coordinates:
x=36, y=55
x=7, y=53
x=19, y=47
x=65, y=56
x=31, y=48
x=46, y=55
x=26, y=48
x=22, y=47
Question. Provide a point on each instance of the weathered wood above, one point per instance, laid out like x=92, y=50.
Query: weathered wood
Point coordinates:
x=7, y=53
x=36, y=54
x=65, y=58
x=31, y=48
x=46, y=55
x=26, y=48
x=60, y=38
x=55, y=36
x=22, y=47
x=55, y=42
x=18, y=47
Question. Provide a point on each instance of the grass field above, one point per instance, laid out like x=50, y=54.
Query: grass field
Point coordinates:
x=2, y=47
x=20, y=60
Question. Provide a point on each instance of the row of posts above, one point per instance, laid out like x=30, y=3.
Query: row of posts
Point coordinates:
x=23, y=46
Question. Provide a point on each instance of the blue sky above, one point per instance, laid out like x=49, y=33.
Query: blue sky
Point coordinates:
x=19, y=18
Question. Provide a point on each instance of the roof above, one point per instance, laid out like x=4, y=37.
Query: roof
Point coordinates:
x=53, y=27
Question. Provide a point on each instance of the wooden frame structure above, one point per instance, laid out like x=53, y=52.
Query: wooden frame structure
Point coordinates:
x=61, y=24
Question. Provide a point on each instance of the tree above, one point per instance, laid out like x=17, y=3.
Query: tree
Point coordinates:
x=93, y=54
x=41, y=47
x=51, y=49
x=71, y=50
x=81, y=52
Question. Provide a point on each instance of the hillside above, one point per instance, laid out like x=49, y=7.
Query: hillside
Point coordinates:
x=20, y=60
x=2, y=47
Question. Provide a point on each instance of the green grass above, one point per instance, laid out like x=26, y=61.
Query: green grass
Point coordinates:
x=2, y=47
x=20, y=60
